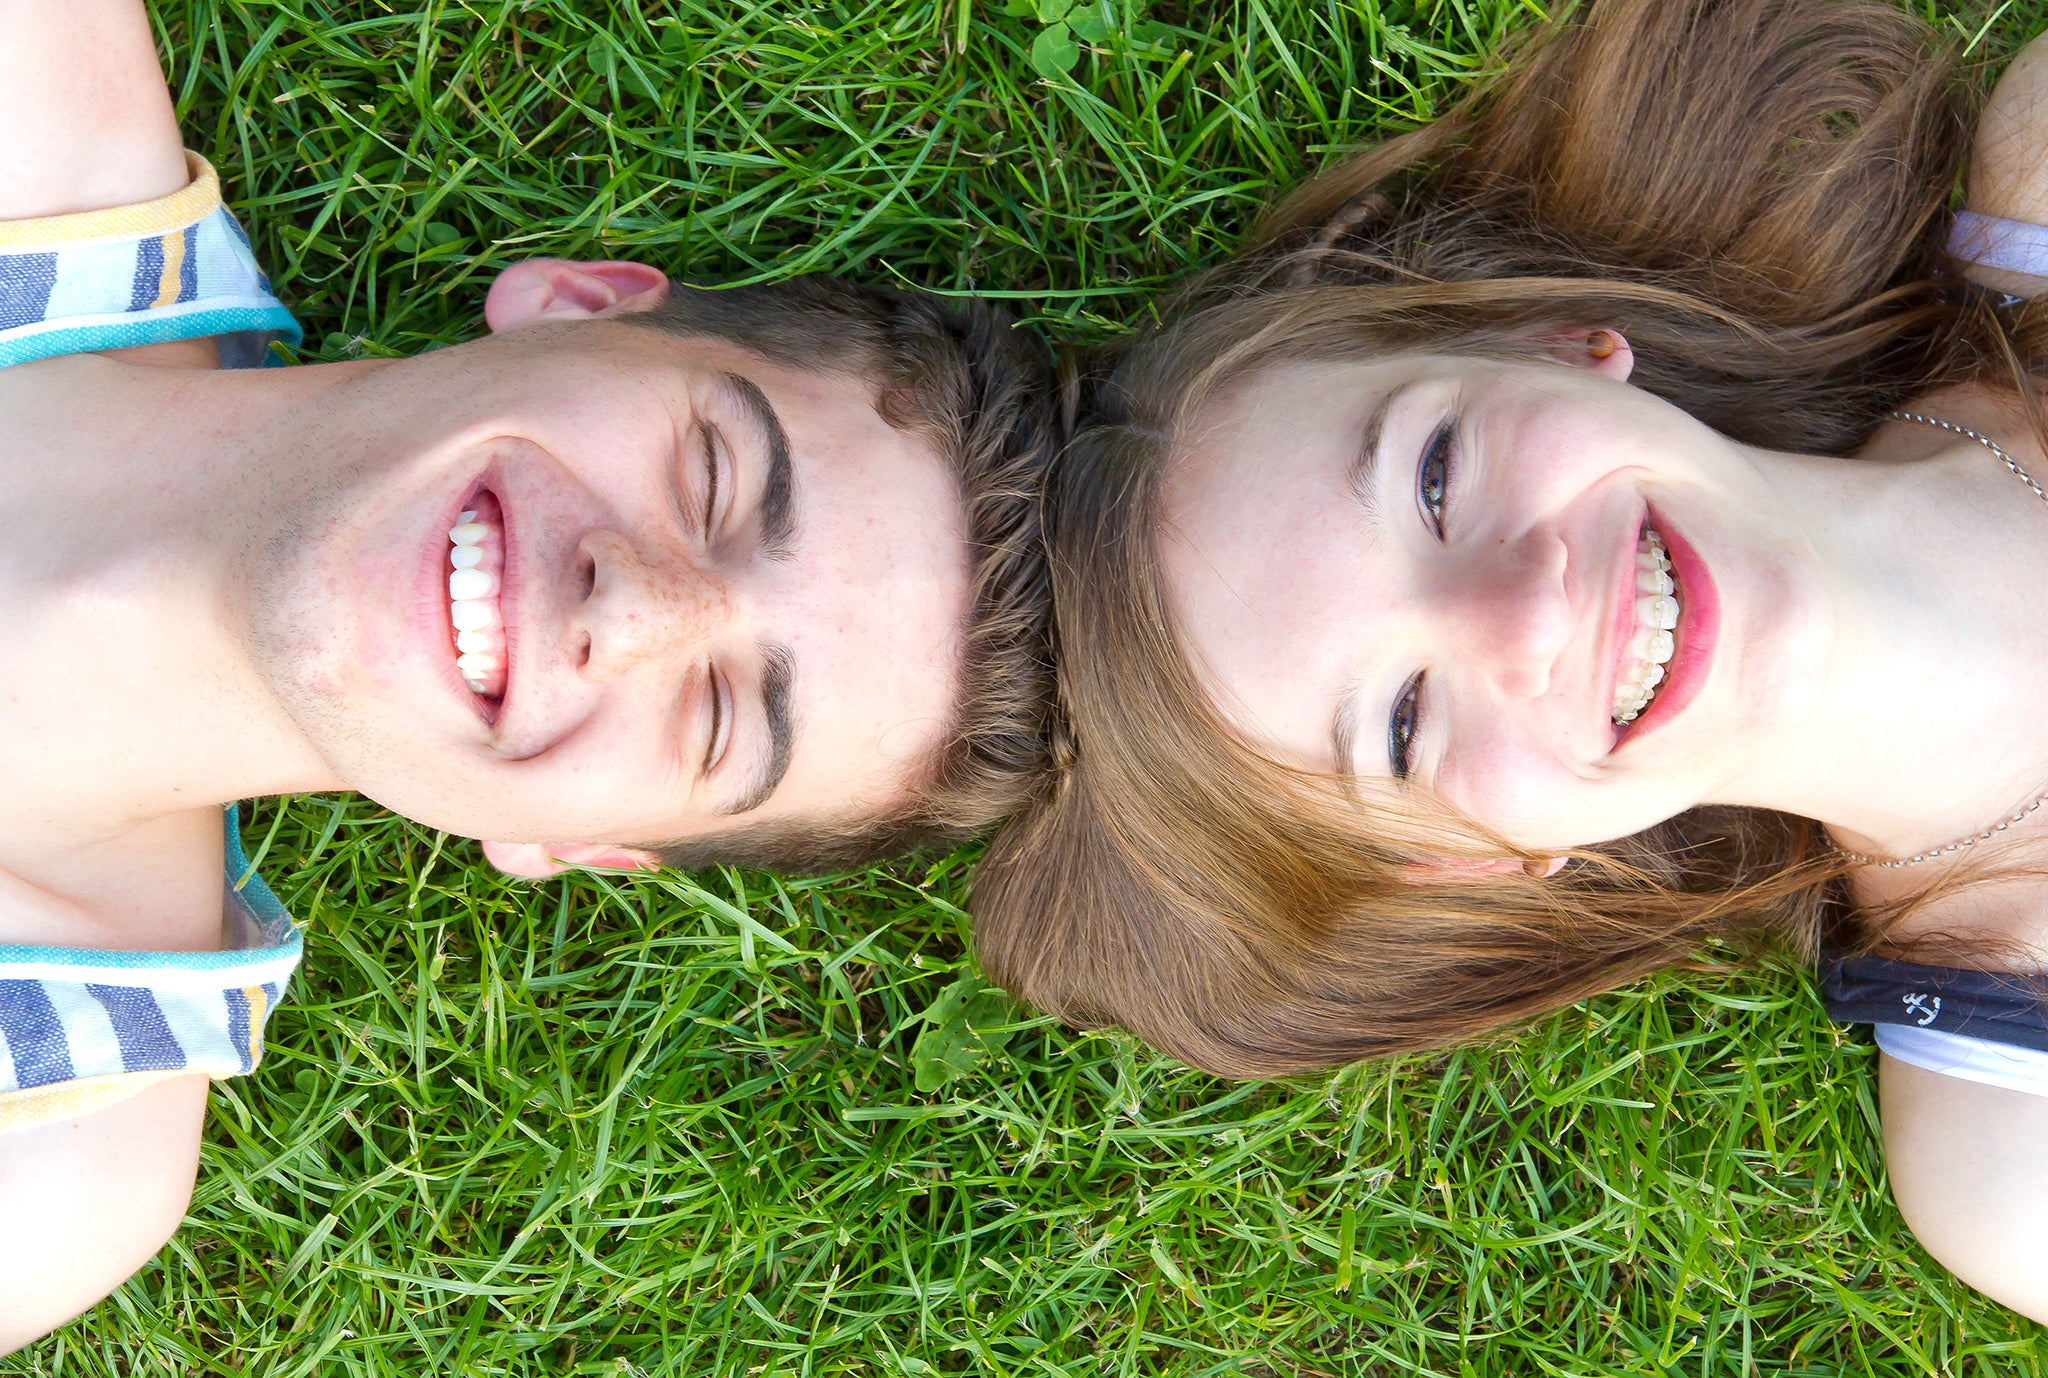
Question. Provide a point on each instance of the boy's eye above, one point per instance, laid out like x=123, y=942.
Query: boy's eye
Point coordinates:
x=720, y=715
x=1402, y=725
x=1433, y=477
x=710, y=478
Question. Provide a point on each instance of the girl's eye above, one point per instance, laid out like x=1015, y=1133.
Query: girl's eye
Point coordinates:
x=1402, y=726
x=1433, y=478
x=710, y=479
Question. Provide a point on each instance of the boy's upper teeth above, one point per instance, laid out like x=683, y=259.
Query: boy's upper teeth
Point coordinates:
x=471, y=583
x=1657, y=609
x=476, y=560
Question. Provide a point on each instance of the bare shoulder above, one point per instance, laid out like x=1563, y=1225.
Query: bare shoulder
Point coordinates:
x=83, y=104
x=1985, y=407
x=85, y=1203
x=1969, y=1168
x=2008, y=174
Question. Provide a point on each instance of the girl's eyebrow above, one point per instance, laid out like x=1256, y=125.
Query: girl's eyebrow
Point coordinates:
x=1344, y=728
x=1361, y=475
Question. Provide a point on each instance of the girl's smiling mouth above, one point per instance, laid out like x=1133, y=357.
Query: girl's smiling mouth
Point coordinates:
x=1691, y=617
x=1652, y=630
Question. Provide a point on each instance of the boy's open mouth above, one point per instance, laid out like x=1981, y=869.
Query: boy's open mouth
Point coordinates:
x=476, y=570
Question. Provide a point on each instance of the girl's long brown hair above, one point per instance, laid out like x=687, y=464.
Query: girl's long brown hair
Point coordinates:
x=1755, y=192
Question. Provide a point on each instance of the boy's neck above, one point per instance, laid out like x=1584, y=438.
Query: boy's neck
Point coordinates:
x=138, y=494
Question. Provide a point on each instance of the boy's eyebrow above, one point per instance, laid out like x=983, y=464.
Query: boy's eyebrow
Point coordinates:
x=778, y=673
x=778, y=520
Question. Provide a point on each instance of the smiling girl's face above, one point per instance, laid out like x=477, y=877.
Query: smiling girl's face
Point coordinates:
x=1556, y=601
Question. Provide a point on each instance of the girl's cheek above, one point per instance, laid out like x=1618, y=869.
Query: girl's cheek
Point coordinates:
x=1519, y=793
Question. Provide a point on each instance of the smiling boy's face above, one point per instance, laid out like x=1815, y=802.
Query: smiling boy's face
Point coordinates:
x=709, y=591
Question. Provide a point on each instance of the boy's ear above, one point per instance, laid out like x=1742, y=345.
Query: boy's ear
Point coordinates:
x=1601, y=349
x=539, y=860
x=560, y=289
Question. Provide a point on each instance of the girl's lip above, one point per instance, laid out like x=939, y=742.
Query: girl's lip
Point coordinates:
x=1698, y=632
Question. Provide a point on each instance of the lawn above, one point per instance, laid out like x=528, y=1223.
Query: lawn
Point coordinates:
x=725, y=1123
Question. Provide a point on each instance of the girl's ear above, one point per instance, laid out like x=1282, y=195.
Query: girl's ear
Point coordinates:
x=560, y=289
x=538, y=861
x=1604, y=350
x=1455, y=869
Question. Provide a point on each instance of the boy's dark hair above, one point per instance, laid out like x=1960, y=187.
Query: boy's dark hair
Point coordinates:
x=963, y=376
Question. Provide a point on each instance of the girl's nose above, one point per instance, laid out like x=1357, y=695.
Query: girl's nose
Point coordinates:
x=643, y=607
x=1513, y=614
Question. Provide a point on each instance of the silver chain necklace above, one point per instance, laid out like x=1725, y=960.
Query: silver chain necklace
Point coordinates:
x=1860, y=858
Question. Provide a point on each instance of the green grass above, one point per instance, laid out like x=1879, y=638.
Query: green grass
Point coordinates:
x=673, y=1125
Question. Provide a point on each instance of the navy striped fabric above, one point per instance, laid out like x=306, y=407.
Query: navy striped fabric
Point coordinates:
x=72, y=1015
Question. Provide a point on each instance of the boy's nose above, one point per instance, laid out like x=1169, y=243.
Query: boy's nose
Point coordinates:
x=644, y=607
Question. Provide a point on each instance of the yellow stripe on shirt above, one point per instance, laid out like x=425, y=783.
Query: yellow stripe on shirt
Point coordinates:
x=165, y=215
x=257, y=1009
x=174, y=262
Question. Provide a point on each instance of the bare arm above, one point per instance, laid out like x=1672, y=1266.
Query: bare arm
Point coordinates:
x=84, y=1204
x=84, y=114
x=1969, y=1168
x=1969, y=1163
x=2009, y=158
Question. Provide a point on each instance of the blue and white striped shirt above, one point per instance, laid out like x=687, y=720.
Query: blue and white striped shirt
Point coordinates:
x=81, y=1029
x=177, y=268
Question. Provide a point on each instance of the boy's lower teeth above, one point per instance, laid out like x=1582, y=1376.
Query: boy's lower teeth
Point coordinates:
x=1657, y=609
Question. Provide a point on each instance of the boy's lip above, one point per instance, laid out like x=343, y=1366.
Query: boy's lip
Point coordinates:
x=434, y=598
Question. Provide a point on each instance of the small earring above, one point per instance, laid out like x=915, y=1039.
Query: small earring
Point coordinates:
x=1600, y=344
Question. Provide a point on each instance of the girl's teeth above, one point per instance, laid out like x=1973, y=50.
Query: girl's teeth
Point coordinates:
x=465, y=556
x=469, y=533
x=479, y=643
x=1656, y=614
